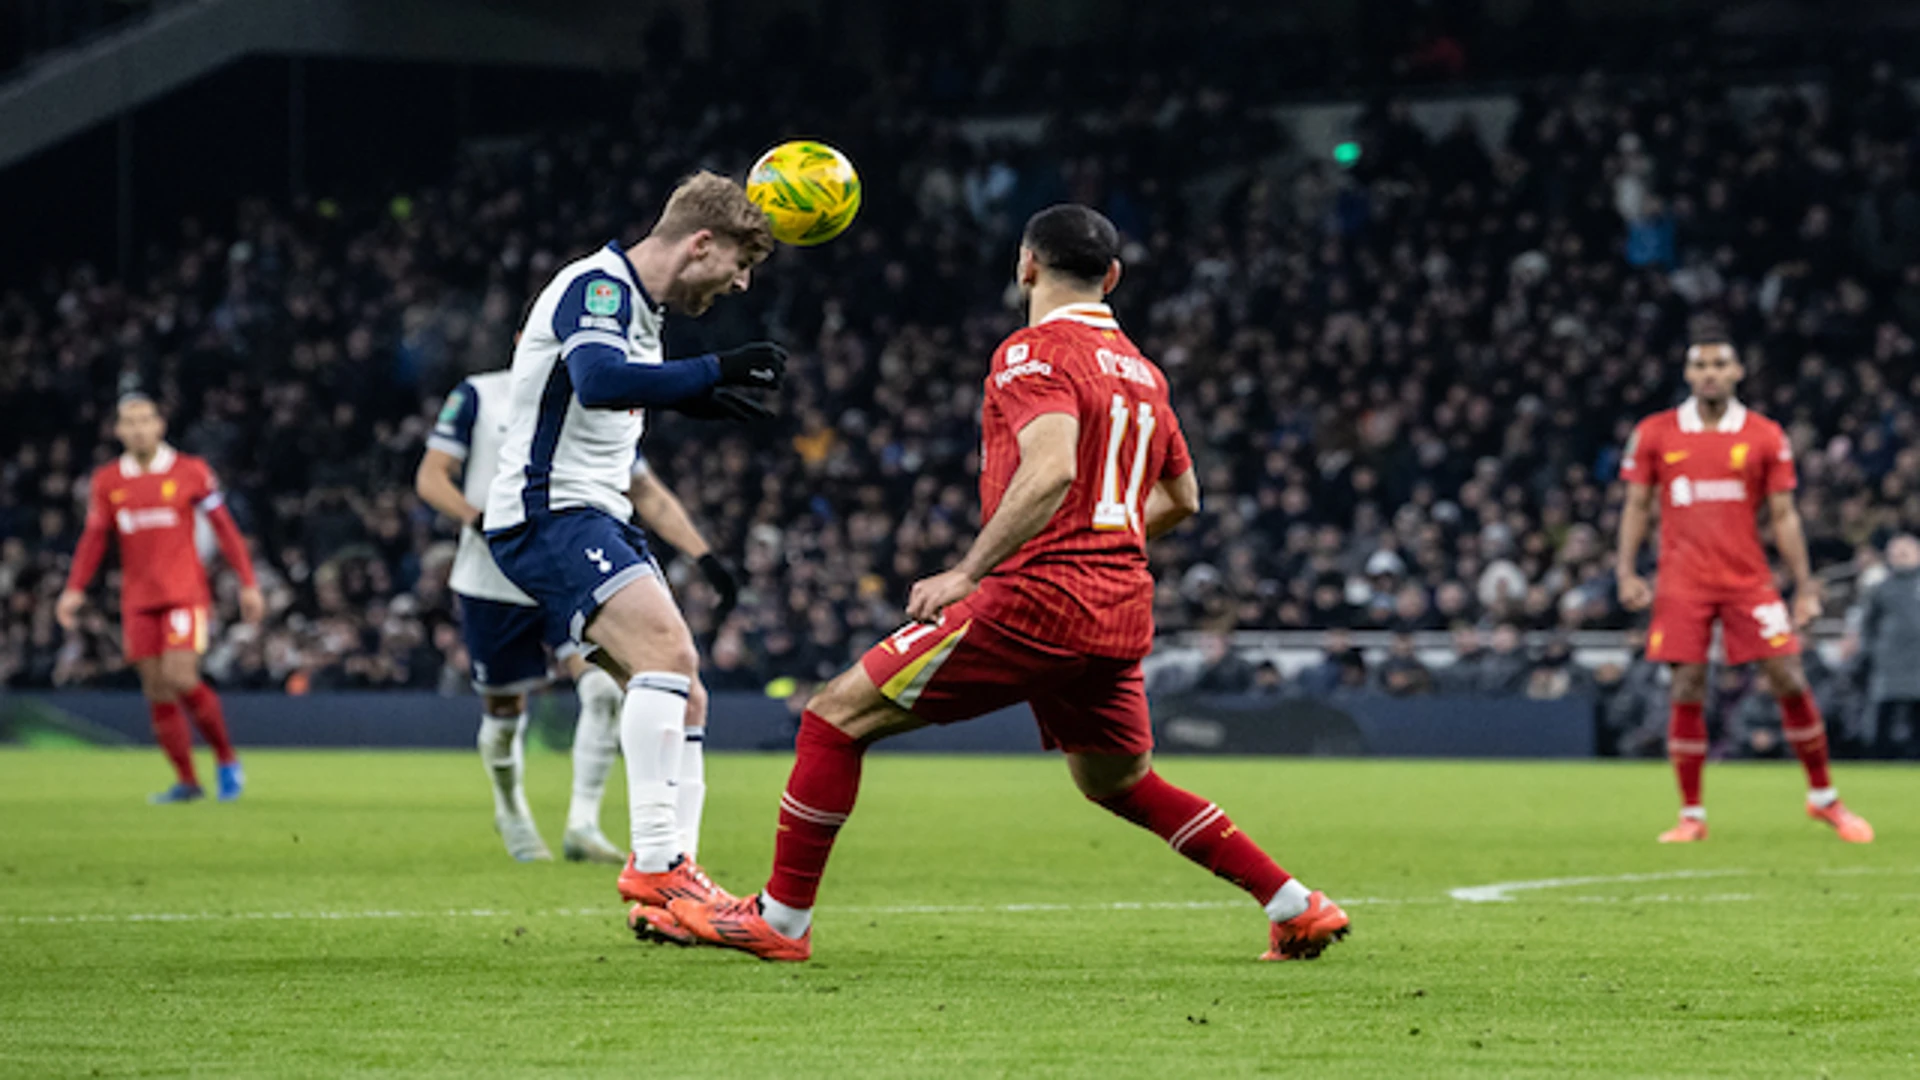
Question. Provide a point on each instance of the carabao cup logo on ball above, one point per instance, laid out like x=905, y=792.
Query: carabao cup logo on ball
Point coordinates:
x=809, y=190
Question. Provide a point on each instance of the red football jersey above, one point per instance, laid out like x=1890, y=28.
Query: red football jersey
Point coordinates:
x=1711, y=483
x=152, y=512
x=1082, y=583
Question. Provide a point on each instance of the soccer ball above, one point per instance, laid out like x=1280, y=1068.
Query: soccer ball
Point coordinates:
x=808, y=189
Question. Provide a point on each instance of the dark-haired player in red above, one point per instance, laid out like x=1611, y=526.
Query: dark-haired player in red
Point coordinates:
x=149, y=497
x=1082, y=463
x=1714, y=463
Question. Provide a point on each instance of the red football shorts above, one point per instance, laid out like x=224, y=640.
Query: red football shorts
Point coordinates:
x=966, y=665
x=163, y=630
x=1756, y=626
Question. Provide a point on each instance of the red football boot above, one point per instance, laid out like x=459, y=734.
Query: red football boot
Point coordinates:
x=683, y=880
x=733, y=924
x=1307, y=935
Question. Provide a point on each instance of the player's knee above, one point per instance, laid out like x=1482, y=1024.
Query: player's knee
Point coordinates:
x=1690, y=683
x=851, y=703
x=1102, y=776
x=1785, y=678
x=506, y=706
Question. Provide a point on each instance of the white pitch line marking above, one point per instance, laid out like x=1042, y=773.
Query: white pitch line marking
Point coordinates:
x=1499, y=892
x=1502, y=892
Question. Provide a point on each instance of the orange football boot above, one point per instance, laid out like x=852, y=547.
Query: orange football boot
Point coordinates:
x=1690, y=830
x=1851, y=826
x=683, y=880
x=734, y=924
x=1307, y=935
x=657, y=925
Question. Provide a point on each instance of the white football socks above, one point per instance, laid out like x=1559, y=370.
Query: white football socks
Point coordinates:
x=502, y=745
x=1290, y=901
x=652, y=735
x=691, y=794
x=787, y=921
x=1823, y=797
x=596, y=741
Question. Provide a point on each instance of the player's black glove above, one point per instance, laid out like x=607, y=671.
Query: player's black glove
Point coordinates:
x=759, y=364
x=723, y=584
x=721, y=403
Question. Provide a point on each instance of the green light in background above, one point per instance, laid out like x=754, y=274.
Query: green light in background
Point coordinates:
x=1346, y=154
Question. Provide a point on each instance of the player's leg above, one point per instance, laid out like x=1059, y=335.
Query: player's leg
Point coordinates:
x=1680, y=634
x=841, y=720
x=640, y=627
x=690, y=793
x=504, y=645
x=1806, y=732
x=1102, y=722
x=1759, y=628
x=186, y=642
x=1687, y=749
x=596, y=744
x=502, y=741
x=170, y=729
x=924, y=673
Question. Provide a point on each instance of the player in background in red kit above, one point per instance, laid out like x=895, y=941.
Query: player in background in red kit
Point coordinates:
x=149, y=497
x=1082, y=463
x=1713, y=463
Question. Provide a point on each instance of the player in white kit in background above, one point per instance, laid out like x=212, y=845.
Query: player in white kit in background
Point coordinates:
x=506, y=637
x=588, y=360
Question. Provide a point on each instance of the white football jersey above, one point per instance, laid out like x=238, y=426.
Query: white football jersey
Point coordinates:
x=558, y=454
x=471, y=427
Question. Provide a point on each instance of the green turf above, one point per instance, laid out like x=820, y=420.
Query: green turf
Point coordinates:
x=1800, y=957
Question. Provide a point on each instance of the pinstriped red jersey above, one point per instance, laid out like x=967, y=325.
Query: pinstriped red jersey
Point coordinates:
x=1082, y=583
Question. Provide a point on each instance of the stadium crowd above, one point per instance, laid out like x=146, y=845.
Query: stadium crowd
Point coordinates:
x=1406, y=383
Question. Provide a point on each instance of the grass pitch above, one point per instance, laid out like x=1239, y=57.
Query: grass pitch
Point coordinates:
x=355, y=915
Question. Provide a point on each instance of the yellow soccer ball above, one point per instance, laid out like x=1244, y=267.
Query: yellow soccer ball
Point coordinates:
x=808, y=189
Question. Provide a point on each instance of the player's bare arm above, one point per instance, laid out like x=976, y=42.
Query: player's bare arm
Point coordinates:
x=1048, y=448
x=1635, y=593
x=233, y=548
x=1172, y=501
x=1791, y=538
x=664, y=515
x=435, y=481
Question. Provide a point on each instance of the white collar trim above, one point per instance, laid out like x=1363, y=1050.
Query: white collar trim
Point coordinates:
x=1731, y=421
x=163, y=459
x=1099, y=315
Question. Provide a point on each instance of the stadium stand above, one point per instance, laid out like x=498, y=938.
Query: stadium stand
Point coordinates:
x=1407, y=381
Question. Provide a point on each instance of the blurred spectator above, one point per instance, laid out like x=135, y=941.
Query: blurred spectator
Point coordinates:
x=1223, y=671
x=1343, y=667
x=1506, y=669
x=1556, y=676
x=1886, y=637
x=1401, y=673
x=1464, y=674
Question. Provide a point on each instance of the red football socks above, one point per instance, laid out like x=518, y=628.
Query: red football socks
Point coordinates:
x=204, y=705
x=1687, y=747
x=1806, y=732
x=1201, y=831
x=819, y=796
x=170, y=731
